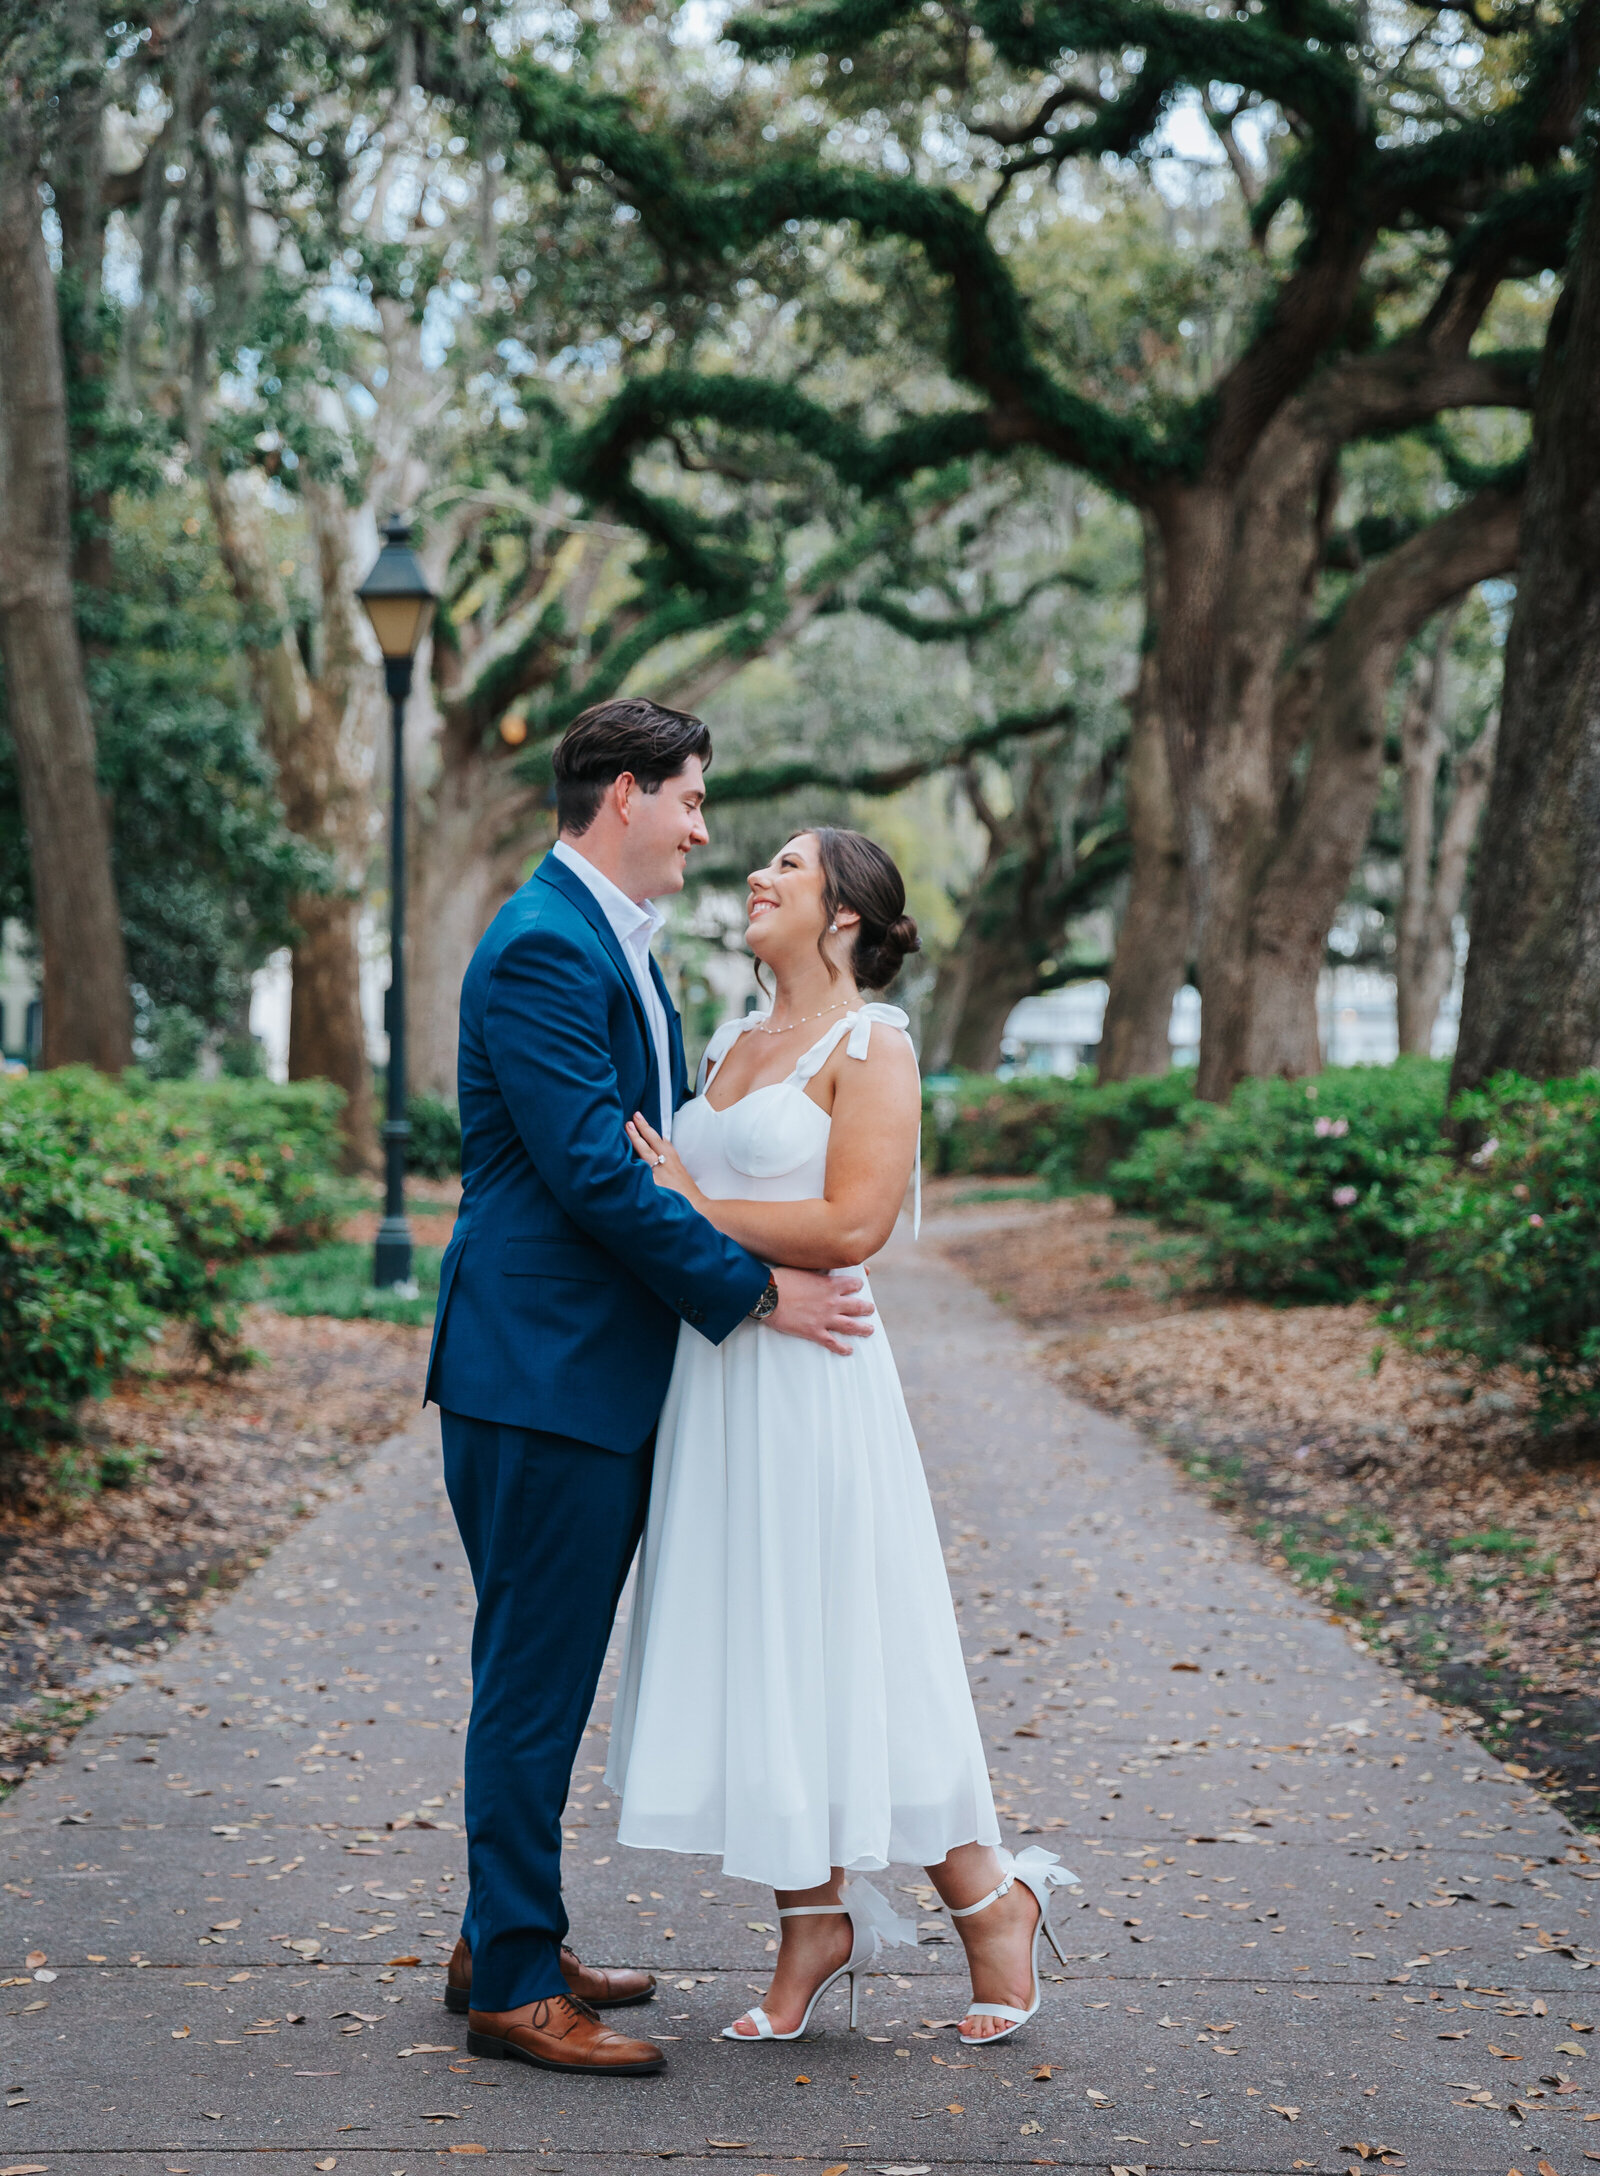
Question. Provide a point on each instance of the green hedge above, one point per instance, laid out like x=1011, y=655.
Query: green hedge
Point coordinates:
x=1339, y=1188
x=124, y=1203
x=1299, y=1190
x=1067, y=1130
x=434, y=1150
x=1505, y=1264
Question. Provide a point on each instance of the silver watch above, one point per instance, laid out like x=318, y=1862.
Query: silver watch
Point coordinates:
x=768, y=1302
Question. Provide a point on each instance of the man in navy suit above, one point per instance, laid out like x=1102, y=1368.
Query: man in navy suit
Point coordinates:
x=560, y=1297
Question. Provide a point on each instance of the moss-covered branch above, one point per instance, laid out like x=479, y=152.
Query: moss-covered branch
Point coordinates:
x=765, y=781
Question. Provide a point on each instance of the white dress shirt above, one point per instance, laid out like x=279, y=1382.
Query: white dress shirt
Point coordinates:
x=633, y=925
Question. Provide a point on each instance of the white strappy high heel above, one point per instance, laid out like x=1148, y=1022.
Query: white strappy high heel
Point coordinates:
x=1040, y=1871
x=873, y=1923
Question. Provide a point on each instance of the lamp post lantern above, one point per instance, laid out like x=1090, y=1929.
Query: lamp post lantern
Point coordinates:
x=399, y=604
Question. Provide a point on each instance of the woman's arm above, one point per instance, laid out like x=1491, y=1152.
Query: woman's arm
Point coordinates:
x=877, y=1110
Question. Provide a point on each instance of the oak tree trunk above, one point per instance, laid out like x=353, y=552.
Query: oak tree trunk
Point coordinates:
x=323, y=760
x=474, y=831
x=86, y=1007
x=1433, y=876
x=1532, y=995
x=1153, y=940
x=1029, y=888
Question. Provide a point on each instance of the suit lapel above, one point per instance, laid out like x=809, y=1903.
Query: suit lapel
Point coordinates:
x=680, y=1070
x=573, y=888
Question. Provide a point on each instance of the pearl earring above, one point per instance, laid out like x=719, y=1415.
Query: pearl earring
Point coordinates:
x=833, y=929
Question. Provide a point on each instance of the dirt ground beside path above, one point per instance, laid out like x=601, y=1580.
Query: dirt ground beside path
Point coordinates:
x=1401, y=1493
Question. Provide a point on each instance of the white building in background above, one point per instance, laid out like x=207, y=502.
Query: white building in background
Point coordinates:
x=1356, y=1023
x=20, y=1012
x=270, y=988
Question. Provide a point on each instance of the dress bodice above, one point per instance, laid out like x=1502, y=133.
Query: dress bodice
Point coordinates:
x=772, y=1145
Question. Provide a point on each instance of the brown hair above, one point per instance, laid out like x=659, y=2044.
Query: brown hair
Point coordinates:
x=858, y=874
x=632, y=734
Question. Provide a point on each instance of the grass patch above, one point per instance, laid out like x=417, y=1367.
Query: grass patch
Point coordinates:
x=337, y=1280
x=1494, y=1541
x=1030, y=1190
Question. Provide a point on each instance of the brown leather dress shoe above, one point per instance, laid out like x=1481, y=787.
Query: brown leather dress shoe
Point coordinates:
x=560, y=2034
x=601, y=1988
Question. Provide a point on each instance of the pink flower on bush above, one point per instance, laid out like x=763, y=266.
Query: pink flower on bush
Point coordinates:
x=1331, y=1129
x=1343, y=1196
x=1536, y=1220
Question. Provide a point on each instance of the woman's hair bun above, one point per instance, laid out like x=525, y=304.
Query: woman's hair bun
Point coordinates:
x=858, y=874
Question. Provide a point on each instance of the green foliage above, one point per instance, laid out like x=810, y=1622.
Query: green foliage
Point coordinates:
x=993, y=1128
x=1300, y=1190
x=434, y=1150
x=1506, y=1270
x=283, y=1142
x=1067, y=1130
x=206, y=868
x=121, y=1204
x=82, y=1264
x=337, y=1280
x=1103, y=1124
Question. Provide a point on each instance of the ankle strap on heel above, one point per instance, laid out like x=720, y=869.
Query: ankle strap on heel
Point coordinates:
x=811, y=1911
x=984, y=1902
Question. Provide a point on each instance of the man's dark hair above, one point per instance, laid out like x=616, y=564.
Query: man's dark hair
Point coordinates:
x=632, y=734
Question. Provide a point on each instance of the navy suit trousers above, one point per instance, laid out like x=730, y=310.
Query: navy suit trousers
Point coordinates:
x=550, y=1527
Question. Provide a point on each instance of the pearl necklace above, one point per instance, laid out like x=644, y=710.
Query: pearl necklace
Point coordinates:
x=804, y=1020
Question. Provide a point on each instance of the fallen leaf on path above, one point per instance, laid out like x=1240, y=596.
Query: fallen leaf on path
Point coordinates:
x=1043, y=2071
x=35, y=1958
x=427, y=2048
x=404, y=1960
x=1027, y=2130
x=182, y=2033
x=331, y=2162
x=802, y=2079
x=25, y=2168
x=1290, y=2115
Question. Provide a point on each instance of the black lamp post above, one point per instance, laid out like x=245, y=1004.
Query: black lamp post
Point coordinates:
x=399, y=604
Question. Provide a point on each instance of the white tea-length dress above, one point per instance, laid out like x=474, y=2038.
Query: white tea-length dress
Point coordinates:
x=793, y=1695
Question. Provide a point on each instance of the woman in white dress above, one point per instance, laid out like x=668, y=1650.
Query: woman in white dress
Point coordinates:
x=793, y=1691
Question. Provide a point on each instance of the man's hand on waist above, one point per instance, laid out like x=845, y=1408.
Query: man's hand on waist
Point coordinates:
x=828, y=1309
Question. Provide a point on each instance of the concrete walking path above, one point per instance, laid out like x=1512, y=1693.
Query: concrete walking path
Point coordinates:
x=1315, y=1923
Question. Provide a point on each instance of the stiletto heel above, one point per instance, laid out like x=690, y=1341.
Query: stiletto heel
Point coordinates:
x=873, y=1922
x=1040, y=1872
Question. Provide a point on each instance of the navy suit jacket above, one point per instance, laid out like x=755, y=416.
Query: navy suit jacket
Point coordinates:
x=561, y=1291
